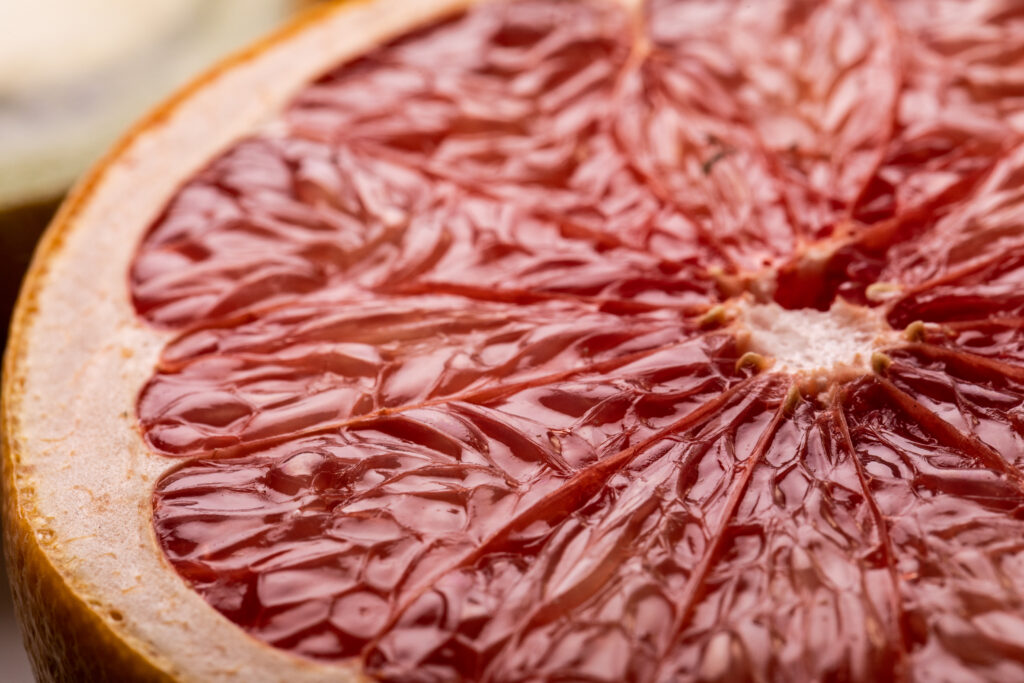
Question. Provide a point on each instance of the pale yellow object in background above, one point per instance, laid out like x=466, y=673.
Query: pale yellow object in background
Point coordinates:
x=51, y=43
x=75, y=73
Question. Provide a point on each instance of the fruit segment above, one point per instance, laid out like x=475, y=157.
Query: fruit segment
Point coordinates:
x=320, y=364
x=776, y=92
x=658, y=341
x=951, y=540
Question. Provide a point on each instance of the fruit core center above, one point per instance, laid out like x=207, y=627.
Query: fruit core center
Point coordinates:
x=806, y=340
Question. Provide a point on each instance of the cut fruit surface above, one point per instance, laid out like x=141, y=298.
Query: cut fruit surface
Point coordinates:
x=592, y=340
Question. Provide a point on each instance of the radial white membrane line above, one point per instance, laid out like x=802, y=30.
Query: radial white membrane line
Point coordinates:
x=737, y=600
x=949, y=434
x=608, y=568
x=630, y=65
x=995, y=366
x=517, y=296
x=951, y=332
x=308, y=318
x=513, y=296
x=591, y=478
x=912, y=376
x=936, y=592
x=413, y=324
x=967, y=269
x=692, y=591
x=716, y=150
x=976, y=208
x=896, y=602
x=547, y=611
x=895, y=38
x=479, y=395
x=705, y=409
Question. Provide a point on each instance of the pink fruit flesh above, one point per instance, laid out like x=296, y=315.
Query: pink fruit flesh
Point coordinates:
x=451, y=395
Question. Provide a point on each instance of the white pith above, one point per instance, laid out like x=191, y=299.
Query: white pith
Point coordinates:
x=805, y=341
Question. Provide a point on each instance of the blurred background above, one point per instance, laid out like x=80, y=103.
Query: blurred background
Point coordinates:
x=74, y=75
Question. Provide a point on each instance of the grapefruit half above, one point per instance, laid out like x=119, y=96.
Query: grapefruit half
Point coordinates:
x=540, y=340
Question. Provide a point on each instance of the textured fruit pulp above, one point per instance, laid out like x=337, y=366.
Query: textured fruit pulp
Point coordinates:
x=466, y=384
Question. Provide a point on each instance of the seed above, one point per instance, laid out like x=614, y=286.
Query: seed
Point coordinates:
x=881, y=291
x=880, y=362
x=713, y=318
x=752, y=360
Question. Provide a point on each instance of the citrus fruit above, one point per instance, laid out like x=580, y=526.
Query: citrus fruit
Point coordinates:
x=539, y=340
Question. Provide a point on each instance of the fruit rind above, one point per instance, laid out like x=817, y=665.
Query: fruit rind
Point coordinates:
x=65, y=638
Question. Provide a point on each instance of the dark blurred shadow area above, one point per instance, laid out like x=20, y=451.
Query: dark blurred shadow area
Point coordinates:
x=19, y=231
x=13, y=660
x=74, y=75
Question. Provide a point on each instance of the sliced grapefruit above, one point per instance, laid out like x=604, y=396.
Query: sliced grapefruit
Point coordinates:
x=541, y=340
